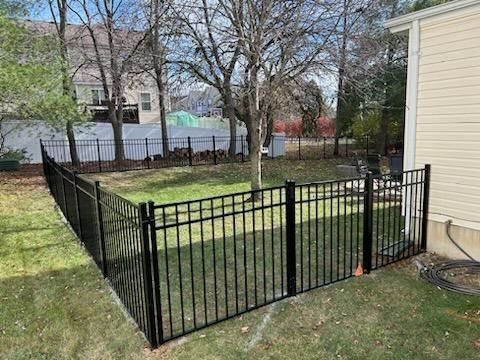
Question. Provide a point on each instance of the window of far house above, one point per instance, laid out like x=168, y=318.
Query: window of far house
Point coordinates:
x=98, y=96
x=146, y=101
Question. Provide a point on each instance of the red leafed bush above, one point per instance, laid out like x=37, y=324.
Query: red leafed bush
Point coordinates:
x=294, y=127
x=325, y=126
x=279, y=127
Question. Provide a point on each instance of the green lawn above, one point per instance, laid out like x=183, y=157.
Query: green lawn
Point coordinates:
x=54, y=303
x=186, y=183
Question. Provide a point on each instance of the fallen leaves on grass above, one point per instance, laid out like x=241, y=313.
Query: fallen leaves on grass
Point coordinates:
x=476, y=344
x=245, y=329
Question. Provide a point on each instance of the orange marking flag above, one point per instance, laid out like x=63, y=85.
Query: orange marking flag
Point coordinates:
x=359, y=271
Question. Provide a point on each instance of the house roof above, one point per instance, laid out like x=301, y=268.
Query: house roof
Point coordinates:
x=402, y=23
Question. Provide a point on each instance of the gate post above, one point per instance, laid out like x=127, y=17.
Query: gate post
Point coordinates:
x=426, y=198
x=156, y=274
x=151, y=331
x=368, y=223
x=290, y=238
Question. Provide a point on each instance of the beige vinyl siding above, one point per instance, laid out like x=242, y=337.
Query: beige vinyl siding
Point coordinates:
x=448, y=115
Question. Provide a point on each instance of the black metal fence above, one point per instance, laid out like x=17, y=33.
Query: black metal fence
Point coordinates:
x=98, y=156
x=183, y=266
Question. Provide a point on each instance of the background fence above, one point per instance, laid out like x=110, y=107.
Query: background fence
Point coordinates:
x=183, y=266
x=99, y=155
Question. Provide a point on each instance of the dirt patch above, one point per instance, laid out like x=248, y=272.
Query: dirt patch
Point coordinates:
x=28, y=175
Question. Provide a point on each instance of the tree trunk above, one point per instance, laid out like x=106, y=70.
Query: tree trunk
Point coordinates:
x=163, y=125
x=256, y=162
x=72, y=144
x=267, y=134
x=341, y=81
x=230, y=113
x=66, y=81
x=163, y=115
x=256, y=133
x=117, y=127
x=381, y=144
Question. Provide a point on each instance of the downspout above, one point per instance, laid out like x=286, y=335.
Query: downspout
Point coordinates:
x=411, y=115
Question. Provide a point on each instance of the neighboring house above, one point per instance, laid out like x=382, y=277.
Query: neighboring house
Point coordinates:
x=201, y=103
x=140, y=93
x=442, y=125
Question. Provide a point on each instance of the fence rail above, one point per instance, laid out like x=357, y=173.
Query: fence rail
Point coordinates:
x=182, y=266
x=96, y=156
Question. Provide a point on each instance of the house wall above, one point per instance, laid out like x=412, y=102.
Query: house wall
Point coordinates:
x=132, y=94
x=448, y=126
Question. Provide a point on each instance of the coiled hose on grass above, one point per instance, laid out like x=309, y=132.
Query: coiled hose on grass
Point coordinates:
x=436, y=275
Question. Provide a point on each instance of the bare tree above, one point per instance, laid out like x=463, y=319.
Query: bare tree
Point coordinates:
x=158, y=27
x=112, y=47
x=279, y=41
x=352, y=53
x=60, y=7
x=210, y=51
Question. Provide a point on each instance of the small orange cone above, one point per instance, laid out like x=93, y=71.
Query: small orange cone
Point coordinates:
x=359, y=270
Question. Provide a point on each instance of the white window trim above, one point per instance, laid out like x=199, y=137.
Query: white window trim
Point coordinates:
x=99, y=98
x=141, y=102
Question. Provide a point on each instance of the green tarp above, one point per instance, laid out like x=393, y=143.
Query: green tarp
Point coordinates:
x=185, y=119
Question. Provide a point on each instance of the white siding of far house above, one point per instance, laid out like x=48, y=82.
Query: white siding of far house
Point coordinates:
x=443, y=114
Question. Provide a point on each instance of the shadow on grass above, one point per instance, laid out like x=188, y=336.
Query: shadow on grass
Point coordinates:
x=209, y=272
x=224, y=178
x=65, y=313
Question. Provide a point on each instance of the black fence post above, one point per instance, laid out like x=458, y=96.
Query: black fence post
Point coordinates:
x=426, y=198
x=290, y=233
x=42, y=150
x=64, y=194
x=299, y=149
x=77, y=205
x=155, y=271
x=367, y=144
x=98, y=155
x=147, y=153
x=346, y=146
x=147, y=275
x=101, y=233
x=368, y=223
x=214, y=151
x=190, y=162
x=243, y=155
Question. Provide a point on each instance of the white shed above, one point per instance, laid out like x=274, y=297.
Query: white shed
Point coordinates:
x=442, y=125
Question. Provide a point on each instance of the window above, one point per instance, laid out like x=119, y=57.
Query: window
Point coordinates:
x=146, y=101
x=98, y=96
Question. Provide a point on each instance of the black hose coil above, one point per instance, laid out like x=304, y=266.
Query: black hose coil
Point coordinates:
x=436, y=276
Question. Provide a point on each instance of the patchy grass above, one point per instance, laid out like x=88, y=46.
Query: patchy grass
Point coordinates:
x=390, y=314
x=186, y=183
x=54, y=302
